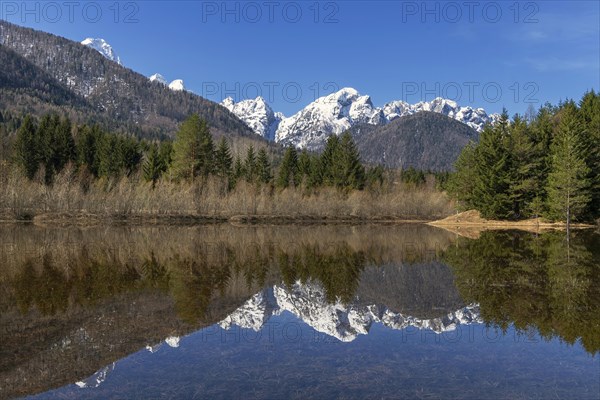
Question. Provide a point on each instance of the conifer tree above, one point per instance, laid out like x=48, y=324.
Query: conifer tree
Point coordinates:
x=490, y=190
x=250, y=166
x=26, y=148
x=288, y=171
x=263, y=166
x=327, y=160
x=568, y=184
x=589, y=113
x=88, y=143
x=192, y=149
x=153, y=166
x=223, y=159
x=461, y=184
x=523, y=185
x=348, y=172
x=238, y=169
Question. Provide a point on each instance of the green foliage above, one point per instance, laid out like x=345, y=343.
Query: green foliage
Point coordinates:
x=263, y=167
x=250, y=166
x=413, y=176
x=26, y=152
x=192, y=150
x=289, y=170
x=348, y=172
x=546, y=164
x=154, y=165
x=568, y=186
x=223, y=159
x=532, y=281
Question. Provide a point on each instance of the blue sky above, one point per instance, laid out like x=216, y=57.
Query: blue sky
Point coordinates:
x=489, y=54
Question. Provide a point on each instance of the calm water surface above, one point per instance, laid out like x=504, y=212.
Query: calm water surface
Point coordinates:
x=297, y=312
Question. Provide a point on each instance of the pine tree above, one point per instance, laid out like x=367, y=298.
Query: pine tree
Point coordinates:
x=524, y=164
x=26, y=148
x=88, y=143
x=192, y=150
x=131, y=154
x=263, y=166
x=250, y=166
x=153, y=166
x=326, y=160
x=65, y=151
x=461, y=184
x=223, y=159
x=568, y=184
x=589, y=114
x=288, y=171
x=348, y=172
x=490, y=191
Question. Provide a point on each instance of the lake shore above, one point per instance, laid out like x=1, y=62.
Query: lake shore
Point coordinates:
x=471, y=224
x=468, y=223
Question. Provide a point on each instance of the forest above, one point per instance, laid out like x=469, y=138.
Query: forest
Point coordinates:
x=543, y=164
x=52, y=166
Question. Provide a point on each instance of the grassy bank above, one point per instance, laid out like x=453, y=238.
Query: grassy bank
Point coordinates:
x=74, y=197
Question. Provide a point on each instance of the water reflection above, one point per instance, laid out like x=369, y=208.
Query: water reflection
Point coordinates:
x=534, y=282
x=75, y=301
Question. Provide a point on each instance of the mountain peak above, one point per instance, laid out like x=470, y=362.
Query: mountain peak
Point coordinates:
x=256, y=114
x=102, y=47
x=177, y=85
x=158, y=78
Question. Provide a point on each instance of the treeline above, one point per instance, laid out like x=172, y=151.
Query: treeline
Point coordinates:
x=44, y=149
x=546, y=164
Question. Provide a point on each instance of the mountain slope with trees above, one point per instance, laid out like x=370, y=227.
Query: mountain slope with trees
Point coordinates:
x=117, y=93
x=425, y=140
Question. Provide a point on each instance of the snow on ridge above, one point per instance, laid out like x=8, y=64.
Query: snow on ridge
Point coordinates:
x=339, y=111
x=257, y=114
x=102, y=47
x=343, y=322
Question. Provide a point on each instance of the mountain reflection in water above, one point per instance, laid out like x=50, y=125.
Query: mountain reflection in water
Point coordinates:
x=75, y=301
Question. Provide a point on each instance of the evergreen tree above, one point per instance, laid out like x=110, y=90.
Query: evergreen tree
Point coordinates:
x=568, y=184
x=461, y=184
x=304, y=166
x=238, y=168
x=348, y=172
x=589, y=113
x=490, y=191
x=327, y=161
x=88, y=143
x=223, y=159
x=250, y=166
x=153, y=166
x=65, y=151
x=131, y=154
x=288, y=171
x=193, y=149
x=524, y=164
x=110, y=156
x=26, y=153
x=263, y=166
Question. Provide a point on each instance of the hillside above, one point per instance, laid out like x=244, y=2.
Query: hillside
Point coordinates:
x=425, y=140
x=69, y=71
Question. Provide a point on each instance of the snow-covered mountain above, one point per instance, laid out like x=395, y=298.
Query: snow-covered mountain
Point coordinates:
x=102, y=47
x=339, y=111
x=97, y=379
x=257, y=114
x=158, y=78
x=343, y=322
x=177, y=85
x=333, y=114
